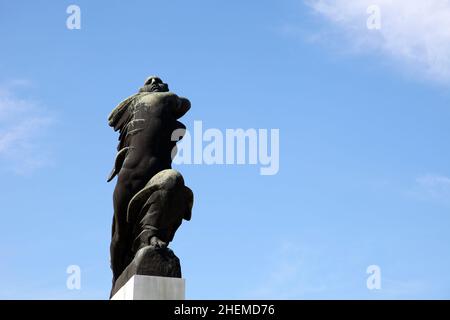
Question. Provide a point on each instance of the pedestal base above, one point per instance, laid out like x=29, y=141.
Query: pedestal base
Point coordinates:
x=149, y=261
x=141, y=287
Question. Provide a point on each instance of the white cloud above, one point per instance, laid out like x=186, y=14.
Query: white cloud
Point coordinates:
x=22, y=124
x=413, y=33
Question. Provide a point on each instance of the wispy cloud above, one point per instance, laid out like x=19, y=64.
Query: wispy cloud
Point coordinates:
x=403, y=289
x=435, y=187
x=414, y=33
x=288, y=277
x=23, y=122
x=325, y=271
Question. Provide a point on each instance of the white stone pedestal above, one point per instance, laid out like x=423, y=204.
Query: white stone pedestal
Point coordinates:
x=151, y=288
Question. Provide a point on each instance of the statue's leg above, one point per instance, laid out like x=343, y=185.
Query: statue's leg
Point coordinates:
x=119, y=242
x=161, y=220
x=126, y=187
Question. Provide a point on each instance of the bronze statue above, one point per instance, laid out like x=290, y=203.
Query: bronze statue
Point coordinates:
x=150, y=199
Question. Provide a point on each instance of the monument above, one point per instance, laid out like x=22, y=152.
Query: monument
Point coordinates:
x=150, y=198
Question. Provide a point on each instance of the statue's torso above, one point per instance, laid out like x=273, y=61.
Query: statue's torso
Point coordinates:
x=150, y=130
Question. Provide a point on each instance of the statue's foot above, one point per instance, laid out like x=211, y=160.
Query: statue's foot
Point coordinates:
x=157, y=243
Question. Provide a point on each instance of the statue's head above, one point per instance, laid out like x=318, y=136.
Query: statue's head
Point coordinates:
x=154, y=84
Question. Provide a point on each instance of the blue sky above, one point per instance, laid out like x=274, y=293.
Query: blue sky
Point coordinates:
x=363, y=116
